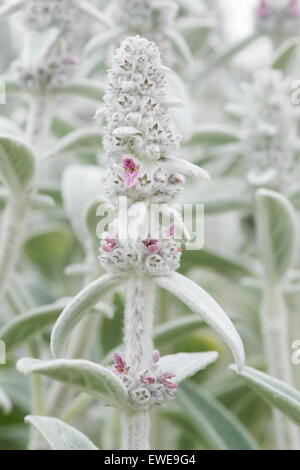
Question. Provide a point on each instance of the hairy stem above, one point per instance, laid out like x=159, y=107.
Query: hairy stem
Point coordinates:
x=39, y=120
x=138, y=354
x=276, y=337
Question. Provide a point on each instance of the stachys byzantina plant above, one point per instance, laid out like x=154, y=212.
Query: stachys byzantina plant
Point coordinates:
x=140, y=143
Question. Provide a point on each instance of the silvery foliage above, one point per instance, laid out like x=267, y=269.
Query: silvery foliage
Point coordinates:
x=40, y=15
x=270, y=131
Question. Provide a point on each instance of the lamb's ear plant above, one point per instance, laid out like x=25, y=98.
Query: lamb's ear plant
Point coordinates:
x=139, y=142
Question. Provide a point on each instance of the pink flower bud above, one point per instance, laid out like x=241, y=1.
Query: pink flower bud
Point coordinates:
x=110, y=245
x=152, y=244
x=294, y=9
x=171, y=230
x=155, y=356
x=147, y=378
x=131, y=174
x=263, y=10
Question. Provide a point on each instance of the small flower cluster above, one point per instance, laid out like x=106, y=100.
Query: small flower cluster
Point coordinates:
x=150, y=19
x=162, y=185
x=139, y=137
x=151, y=257
x=270, y=129
x=50, y=74
x=279, y=16
x=152, y=387
x=43, y=14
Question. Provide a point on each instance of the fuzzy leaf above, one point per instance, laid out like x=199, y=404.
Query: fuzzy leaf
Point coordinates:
x=59, y=435
x=10, y=7
x=276, y=233
x=89, y=179
x=86, y=376
x=168, y=332
x=202, y=303
x=215, y=423
x=77, y=308
x=277, y=393
x=286, y=54
x=185, y=365
x=77, y=141
x=23, y=327
x=93, y=13
x=17, y=163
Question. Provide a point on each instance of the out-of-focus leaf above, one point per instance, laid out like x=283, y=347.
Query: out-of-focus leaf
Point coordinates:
x=59, y=435
x=185, y=365
x=77, y=141
x=286, y=54
x=50, y=248
x=87, y=376
x=214, y=134
x=277, y=393
x=23, y=327
x=89, y=180
x=77, y=308
x=276, y=232
x=10, y=127
x=202, y=303
x=17, y=163
x=111, y=331
x=5, y=402
x=205, y=259
x=93, y=13
x=182, y=114
x=214, y=422
x=37, y=46
x=169, y=332
x=85, y=88
x=10, y=7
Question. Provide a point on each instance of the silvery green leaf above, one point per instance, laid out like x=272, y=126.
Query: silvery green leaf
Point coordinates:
x=214, y=134
x=17, y=163
x=80, y=140
x=286, y=54
x=277, y=393
x=224, y=194
x=23, y=327
x=91, y=220
x=187, y=168
x=86, y=376
x=228, y=55
x=214, y=422
x=89, y=179
x=38, y=45
x=5, y=402
x=85, y=88
x=12, y=86
x=203, y=304
x=276, y=231
x=10, y=7
x=185, y=365
x=59, y=435
x=294, y=197
x=77, y=308
x=42, y=201
x=93, y=13
x=9, y=127
x=180, y=45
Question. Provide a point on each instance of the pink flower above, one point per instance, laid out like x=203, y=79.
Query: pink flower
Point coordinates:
x=111, y=244
x=168, y=383
x=120, y=366
x=171, y=230
x=147, y=378
x=155, y=356
x=131, y=172
x=294, y=9
x=152, y=244
x=263, y=10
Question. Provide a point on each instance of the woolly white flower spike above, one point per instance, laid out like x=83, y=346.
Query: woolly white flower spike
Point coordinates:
x=43, y=14
x=270, y=128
